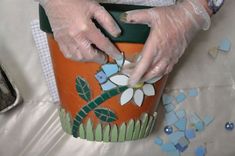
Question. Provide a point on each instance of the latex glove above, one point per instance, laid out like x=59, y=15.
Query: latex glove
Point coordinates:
x=172, y=28
x=78, y=37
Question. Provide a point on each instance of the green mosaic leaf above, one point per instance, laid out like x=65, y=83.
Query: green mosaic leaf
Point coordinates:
x=136, y=130
x=82, y=134
x=68, y=123
x=106, y=133
x=154, y=121
x=144, y=122
x=98, y=133
x=130, y=129
x=83, y=88
x=89, y=131
x=122, y=133
x=114, y=133
x=148, y=128
x=105, y=114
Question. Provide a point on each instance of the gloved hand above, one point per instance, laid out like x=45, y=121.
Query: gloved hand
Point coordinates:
x=172, y=29
x=78, y=37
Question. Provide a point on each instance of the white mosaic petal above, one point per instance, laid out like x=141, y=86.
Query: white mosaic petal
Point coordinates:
x=121, y=80
x=139, y=97
x=126, y=96
x=149, y=89
x=154, y=80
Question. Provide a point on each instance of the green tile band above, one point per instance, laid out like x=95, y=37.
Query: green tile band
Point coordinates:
x=131, y=130
x=133, y=33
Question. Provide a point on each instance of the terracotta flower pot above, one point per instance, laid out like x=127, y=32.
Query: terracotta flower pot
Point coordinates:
x=96, y=103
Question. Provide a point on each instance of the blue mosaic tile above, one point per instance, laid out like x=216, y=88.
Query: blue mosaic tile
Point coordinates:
x=170, y=118
x=208, y=120
x=180, y=147
x=190, y=133
x=225, y=45
x=181, y=124
x=180, y=97
x=181, y=113
x=108, y=85
x=101, y=77
x=174, y=137
x=110, y=69
x=158, y=141
x=200, y=151
x=193, y=92
x=168, y=147
x=167, y=99
x=169, y=107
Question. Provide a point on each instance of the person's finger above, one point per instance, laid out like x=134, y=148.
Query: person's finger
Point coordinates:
x=157, y=70
x=106, y=21
x=97, y=38
x=143, y=16
x=85, y=52
x=149, y=52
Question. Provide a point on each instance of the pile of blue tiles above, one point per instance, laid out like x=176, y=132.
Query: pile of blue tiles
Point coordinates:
x=181, y=127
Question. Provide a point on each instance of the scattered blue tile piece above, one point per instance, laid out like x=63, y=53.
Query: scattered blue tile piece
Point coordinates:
x=168, y=147
x=174, y=137
x=167, y=99
x=190, y=133
x=120, y=61
x=180, y=97
x=225, y=45
x=208, y=120
x=180, y=147
x=110, y=69
x=181, y=124
x=181, y=113
x=183, y=141
x=193, y=92
x=108, y=85
x=101, y=77
x=173, y=153
x=169, y=107
x=199, y=126
x=194, y=118
x=200, y=151
x=158, y=141
x=170, y=118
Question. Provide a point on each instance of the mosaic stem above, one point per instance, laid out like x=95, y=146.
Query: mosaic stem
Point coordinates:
x=94, y=104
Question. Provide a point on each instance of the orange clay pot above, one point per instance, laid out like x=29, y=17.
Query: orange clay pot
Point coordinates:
x=66, y=72
x=99, y=115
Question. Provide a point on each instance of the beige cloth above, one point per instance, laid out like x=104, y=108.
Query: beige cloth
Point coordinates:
x=34, y=129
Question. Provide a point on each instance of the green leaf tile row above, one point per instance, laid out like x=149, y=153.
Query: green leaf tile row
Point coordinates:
x=132, y=130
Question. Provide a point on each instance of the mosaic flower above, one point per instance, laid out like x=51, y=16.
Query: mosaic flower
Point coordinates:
x=110, y=77
x=137, y=93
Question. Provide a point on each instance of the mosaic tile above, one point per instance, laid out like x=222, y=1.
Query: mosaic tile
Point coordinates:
x=181, y=124
x=180, y=97
x=139, y=97
x=101, y=77
x=190, y=133
x=126, y=96
x=167, y=99
x=149, y=90
x=110, y=69
x=193, y=92
x=225, y=45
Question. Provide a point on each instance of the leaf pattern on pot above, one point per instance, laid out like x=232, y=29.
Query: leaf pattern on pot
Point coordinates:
x=83, y=89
